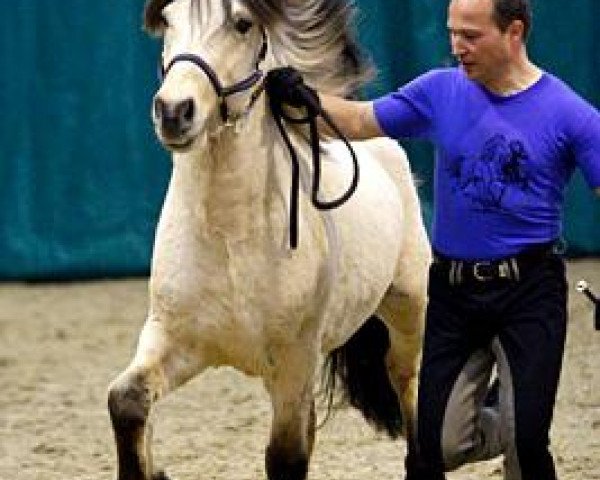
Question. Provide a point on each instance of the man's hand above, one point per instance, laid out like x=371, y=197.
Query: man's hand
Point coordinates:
x=285, y=85
x=355, y=119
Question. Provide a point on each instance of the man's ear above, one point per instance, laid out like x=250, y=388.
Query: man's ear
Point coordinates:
x=516, y=31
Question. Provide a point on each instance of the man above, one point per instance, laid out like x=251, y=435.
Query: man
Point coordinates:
x=508, y=137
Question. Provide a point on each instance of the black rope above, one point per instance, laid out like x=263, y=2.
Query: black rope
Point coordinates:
x=313, y=111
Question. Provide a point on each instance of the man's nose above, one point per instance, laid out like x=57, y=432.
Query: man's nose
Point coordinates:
x=457, y=45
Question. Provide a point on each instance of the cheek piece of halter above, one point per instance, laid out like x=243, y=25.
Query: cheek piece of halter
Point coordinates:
x=222, y=91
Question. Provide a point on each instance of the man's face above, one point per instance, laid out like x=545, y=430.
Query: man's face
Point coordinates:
x=476, y=41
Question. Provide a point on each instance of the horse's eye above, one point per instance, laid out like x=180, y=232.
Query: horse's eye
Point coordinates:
x=242, y=25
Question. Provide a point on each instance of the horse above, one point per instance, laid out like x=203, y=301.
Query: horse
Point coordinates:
x=225, y=287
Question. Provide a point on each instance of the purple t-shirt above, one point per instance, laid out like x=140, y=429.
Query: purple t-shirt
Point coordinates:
x=502, y=162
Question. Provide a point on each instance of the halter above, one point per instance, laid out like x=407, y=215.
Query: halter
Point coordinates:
x=222, y=91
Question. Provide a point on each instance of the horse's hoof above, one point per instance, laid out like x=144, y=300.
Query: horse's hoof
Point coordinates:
x=160, y=476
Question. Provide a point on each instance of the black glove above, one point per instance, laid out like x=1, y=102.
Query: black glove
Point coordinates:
x=285, y=85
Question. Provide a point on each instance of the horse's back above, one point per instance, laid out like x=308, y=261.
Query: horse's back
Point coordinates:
x=392, y=157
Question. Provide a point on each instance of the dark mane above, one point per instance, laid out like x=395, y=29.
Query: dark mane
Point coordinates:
x=318, y=38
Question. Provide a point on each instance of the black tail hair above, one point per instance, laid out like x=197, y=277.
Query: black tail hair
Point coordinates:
x=360, y=366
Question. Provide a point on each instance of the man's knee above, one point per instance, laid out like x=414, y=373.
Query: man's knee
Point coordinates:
x=483, y=441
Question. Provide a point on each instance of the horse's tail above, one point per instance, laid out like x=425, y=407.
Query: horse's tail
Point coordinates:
x=360, y=366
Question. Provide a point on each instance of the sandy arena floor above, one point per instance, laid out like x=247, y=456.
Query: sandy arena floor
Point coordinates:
x=60, y=346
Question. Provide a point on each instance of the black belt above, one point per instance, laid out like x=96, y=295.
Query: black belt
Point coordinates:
x=483, y=271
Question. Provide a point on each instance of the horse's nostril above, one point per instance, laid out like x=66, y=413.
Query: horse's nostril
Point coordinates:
x=187, y=110
x=174, y=117
x=159, y=108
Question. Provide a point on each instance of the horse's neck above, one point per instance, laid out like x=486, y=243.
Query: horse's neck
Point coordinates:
x=225, y=184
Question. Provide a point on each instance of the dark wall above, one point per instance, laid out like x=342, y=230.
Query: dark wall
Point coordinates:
x=82, y=175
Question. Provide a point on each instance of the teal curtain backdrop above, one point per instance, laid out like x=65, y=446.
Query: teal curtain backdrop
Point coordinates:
x=83, y=177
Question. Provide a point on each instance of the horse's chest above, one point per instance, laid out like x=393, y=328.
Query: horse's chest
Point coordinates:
x=243, y=286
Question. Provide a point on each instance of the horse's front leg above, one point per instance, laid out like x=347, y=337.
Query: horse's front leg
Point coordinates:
x=160, y=364
x=290, y=385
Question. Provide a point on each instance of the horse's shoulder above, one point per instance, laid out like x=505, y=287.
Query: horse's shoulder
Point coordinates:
x=387, y=150
x=391, y=157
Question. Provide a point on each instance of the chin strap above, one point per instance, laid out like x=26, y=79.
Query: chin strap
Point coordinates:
x=313, y=110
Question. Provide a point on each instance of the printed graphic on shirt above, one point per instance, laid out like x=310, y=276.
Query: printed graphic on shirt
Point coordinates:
x=498, y=172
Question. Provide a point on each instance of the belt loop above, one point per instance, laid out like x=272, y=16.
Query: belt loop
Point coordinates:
x=451, y=274
x=459, y=272
x=505, y=270
x=515, y=268
x=559, y=246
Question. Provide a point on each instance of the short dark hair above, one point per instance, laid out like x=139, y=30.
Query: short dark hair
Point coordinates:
x=507, y=11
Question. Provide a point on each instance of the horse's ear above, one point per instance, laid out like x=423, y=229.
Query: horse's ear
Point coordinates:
x=153, y=20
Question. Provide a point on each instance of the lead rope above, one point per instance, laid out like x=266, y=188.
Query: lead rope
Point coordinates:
x=311, y=119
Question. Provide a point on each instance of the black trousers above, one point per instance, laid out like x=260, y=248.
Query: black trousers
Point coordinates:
x=518, y=327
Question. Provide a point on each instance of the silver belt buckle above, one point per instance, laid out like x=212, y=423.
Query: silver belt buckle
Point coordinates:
x=478, y=275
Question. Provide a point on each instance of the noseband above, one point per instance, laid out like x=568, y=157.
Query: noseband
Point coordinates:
x=222, y=91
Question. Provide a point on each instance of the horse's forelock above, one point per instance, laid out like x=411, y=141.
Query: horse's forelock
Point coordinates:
x=153, y=19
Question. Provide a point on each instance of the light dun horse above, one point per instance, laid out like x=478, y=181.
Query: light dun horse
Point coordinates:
x=226, y=289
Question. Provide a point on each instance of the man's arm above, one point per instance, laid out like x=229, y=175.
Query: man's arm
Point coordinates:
x=355, y=119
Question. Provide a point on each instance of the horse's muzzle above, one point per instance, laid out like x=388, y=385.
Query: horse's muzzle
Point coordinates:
x=174, y=119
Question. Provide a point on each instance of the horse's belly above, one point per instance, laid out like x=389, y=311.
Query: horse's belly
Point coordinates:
x=369, y=230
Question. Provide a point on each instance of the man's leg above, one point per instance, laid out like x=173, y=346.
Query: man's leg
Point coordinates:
x=450, y=344
x=454, y=424
x=530, y=316
x=472, y=431
x=533, y=344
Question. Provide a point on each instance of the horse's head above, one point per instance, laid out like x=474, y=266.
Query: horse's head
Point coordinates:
x=213, y=51
x=210, y=65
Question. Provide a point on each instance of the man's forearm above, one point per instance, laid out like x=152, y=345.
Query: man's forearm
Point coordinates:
x=355, y=119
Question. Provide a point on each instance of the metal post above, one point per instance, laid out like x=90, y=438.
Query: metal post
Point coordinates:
x=583, y=287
